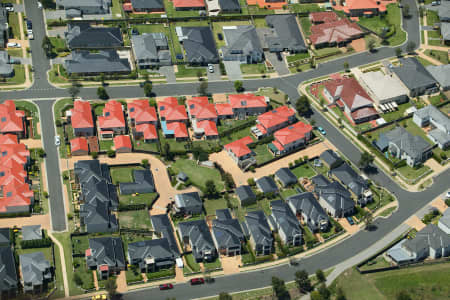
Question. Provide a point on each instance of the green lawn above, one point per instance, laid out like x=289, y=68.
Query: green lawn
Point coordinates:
x=58, y=43
x=413, y=173
x=116, y=9
x=300, y=8
x=191, y=263
x=394, y=17
x=424, y=62
x=432, y=17
x=211, y=205
x=236, y=135
x=171, y=12
x=391, y=116
x=106, y=145
x=376, y=263
x=18, y=78
x=13, y=22
x=327, y=51
x=253, y=68
x=388, y=211
x=212, y=265
x=229, y=123
x=255, y=10
x=151, y=28
x=185, y=71
x=273, y=94
x=297, y=56
x=123, y=174
x=133, y=276
x=304, y=170
x=305, y=23
x=285, y=193
x=174, y=145
x=137, y=219
x=141, y=145
x=15, y=52
x=147, y=199
x=198, y=174
x=262, y=153
x=442, y=56
x=259, y=22
x=375, y=23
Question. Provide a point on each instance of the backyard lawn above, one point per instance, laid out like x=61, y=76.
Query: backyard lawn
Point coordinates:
x=391, y=116
x=123, y=174
x=236, y=135
x=135, y=219
x=304, y=170
x=198, y=174
x=413, y=173
x=211, y=205
x=300, y=8
x=262, y=153
x=305, y=23
x=106, y=145
x=116, y=9
x=146, y=199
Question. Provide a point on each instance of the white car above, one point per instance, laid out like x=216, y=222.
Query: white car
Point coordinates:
x=57, y=140
x=30, y=31
x=13, y=45
x=39, y=5
x=30, y=36
x=9, y=8
x=211, y=68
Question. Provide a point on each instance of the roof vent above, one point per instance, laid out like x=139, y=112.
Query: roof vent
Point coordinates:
x=3, y=119
x=244, y=103
x=107, y=114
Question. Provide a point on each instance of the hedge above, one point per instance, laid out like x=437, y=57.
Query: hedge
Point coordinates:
x=237, y=128
x=42, y=243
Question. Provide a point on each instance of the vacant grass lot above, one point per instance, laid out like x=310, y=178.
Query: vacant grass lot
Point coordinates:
x=211, y=205
x=137, y=219
x=123, y=174
x=198, y=174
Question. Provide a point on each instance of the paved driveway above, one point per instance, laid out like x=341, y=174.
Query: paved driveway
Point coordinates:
x=55, y=14
x=279, y=65
x=233, y=69
x=169, y=73
x=216, y=75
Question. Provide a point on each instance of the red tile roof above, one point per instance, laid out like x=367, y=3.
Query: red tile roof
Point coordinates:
x=201, y=109
x=270, y=4
x=122, y=141
x=365, y=4
x=142, y=112
x=88, y=252
x=292, y=133
x=16, y=194
x=8, y=139
x=12, y=171
x=209, y=127
x=113, y=116
x=334, y=32
x=179, y=129
x=247, y=100
x=10, y=119
x=224, y=109
x=188, y=3
x=14, y=152
x=170, y=110
x=363, y=113
x=240, y=147
x=104, y=268
x=78, y=144
x=82, y=115
x=350, y=92
x=323, y=16
x=148, y=131
x=276, y=117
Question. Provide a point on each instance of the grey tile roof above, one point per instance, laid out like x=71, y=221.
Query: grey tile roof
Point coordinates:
x=350, y=178
x=199, y=45
x=441, y=73
x=430, y=112
x=285, y=176
x=445, y=219
x=413, y=74
x=84, y=3
x=8, y=273
x=35, y=268
x=285, y=219
x=3, y=26
x=286, y=33
x=97, y=217
x=307, y=204
x=430, y=236
x=106, y=251
x=258, y=228
x=188, y=201
x=5, y=236
x=82, y=35
x=229, y=5
x=245, y=194
x=143, y=183
x=147, y=4
x=336, y=196
x=223, y=214
x=320, y=180
x=151, y=47
x=439, y=136
x=6, y=69
x=227, y=233
x=445, y=31
x=83, y=62
x=31, y=232
x=267, y=185
x=199, y=237
x=157, y=249
x=241, y=41
x=162, y=225
x=412, y=145
x=331, y=158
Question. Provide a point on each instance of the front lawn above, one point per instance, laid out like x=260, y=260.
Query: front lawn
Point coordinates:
x=198, y=175
x=432, y=17
x=13, y=23
x=116, y=9
x=18, y=78
x=133, y=275
x=304, y=170
x=442, y=56
x=135, y=219
x=123, y=174
x=191, y=263
x=15, y=52
x=212, y=265
x=262, y=154
x=253, y=68
x=297, y=56
x=185, y=71
x=413, y=173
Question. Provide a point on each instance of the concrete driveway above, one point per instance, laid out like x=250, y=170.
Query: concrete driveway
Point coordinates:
x=279, y=65
x=233, y=69
x=216, y=75
x=169, y=72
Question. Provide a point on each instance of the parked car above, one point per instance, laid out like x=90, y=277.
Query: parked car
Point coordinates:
x=211, y=68
x=166, y=286
x=350, y=221
x=39, y=5
x=29, y=25
x=435, y=3
x=30, y=36
x=13, y=45
x=57, y=140
x=321, y=130
x=100, y=297
x=279, y=56
x=220, y=36
x=196, y=281
x=9, y=8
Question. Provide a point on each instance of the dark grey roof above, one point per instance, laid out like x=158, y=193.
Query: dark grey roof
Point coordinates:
x=199, y=236
x=331, y=158
x=382, y=143
x=430, y=236
x=6, y=69
x=413, y=145
x=84, y=62
x=227, y=233
x=441, y=74
x=320, y=180
x=286, y=33
x=158, y=249
x=198, y=42
x=413, y=74
x=148, y=46
x=286, y=176
x=241, y=40
x=8, y=273
x=143, y=183
x=258, y=228
x=223, y=214
x=147, y=4
x=82, y=35
x=336, y=196
x=34, y=268
x=350, y=178
x=439, y=136
x=161, y=224
x=31, y=232
x=97, y=217
x=5, y=236
x=84, y=3
x=229, y=5
x=244, y=193
x=267, y=184
x=187, y=200
x=106, y=251
x=285, y=219
x=308, y=205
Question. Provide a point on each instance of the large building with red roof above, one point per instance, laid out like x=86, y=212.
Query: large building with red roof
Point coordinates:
x=359, y=8
x=140, y=112
x=224, y=111
x=349, y=95
x=189, y=4
x=240, y=152
x=273, y=120
x=79, y=146
x=244, y=105
x=200, y=109
x=291, y=138
x=170, y=111
x=147, y=132
x=177, y=130
x=12, y=120
x=336, y=33
x=113, y=120
x=81, y=118
x=323, y=17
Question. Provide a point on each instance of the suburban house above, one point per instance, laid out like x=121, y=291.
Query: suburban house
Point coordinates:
x=244, y=105
x=5, y=237
x=76, y=9
x=441, y=73
x=147, y=132
x=31, y=232
x=321, y=17
x=351, y=98
x=269, y=4
x=173, y=118
x=245, y=195
x=354, y=182
x=81, y=118
x=203, y=117
x=105, y=254
x=333, y=197
x=122, y=144
x=306, y=207
x=188, y=203
x=98, y=195
x=223, y=6
x=36, y=271
x=227, y=233
x=440, y=124
x=242, y=44
x=258, y=230
x=267, y=185
x=415, y=77
x=163, y=227
x=331, y=159
x=12, y=120
x=151, y=255
x=8, y=272
x=335, y=33
x=189, y=4
x=443, y=11
x=273, y=120
x=360, y=8
x=444, y=221
x=140, y=112
x=85, y=36
x=445, y=32
x=4, y=32
x=283, y=221
x=240, y=152
x=143, y=183
x=105, y=61
x=79, y=146
x=283, y=34
x=290, y=138
x=6, y=69
x=286, y=177
x=224, y=111
x=196, y=235
x=198, y=44
x=151, y=50
x=403, y=145
x=143, y=6
x=112, y=122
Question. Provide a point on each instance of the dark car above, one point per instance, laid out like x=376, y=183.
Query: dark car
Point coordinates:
x=350, y=221
x=166, y=286
x=196, y=281
x=134, y=31
x=220, y=36
x=279, y=56
x=29, y=24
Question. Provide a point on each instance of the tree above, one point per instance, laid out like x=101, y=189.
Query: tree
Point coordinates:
x=102, y=79
x=302, y=281
x=340, y=294
x=145, y=163
x=312, y=122
x=203, y=88
x=368, y=220
x=199, y=74
x=111, y=286
x=346, y=66
x=320, y=276
x=302, y=105
x=324, y=291
x=41, y=152
x=238, y=86
x=403, y=295
x=48, y=3
x=398, y=51
x=101, y=93
x=94, y=155
x=371, y=44
x=410, y=46
x=316, y=296
x=225, y=296
x=166, y=151
x=251, y=182
x=148, y=87
x=47, y=46
x=210, y=188
x=111, y=153
x=279, y=288
x=340, y=121
x=74, y=89
x=365, y=160
x=77, y=279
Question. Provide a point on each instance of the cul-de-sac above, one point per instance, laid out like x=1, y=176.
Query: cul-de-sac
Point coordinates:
x=225, y=149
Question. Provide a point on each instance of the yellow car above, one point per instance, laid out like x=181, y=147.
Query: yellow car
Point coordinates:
x=99, y=297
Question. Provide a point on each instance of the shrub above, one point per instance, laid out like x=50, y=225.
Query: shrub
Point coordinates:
x=94, y=155
x=111, y=153
x=251, y=182
x=43, y=243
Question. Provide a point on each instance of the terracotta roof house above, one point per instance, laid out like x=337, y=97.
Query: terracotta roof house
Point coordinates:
x=270, y=4
x=12, y=120
x=290, y=138
x=207, y=128
x=224, y=111
x=170, y=111
x=147, y=132
x=177, y=130
x=8, y=139
x=337, y=33
x=200, y=109
x=323, y=17
x=359, y=8
x=79, y=146
x=113, y=120
x=240, y=152
x=143, y=6
x=140, y=112
x=358, y=106
x=122, y=144
x=273, y=120
x=244, y=105
x=189, y=4
x=80, y=116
